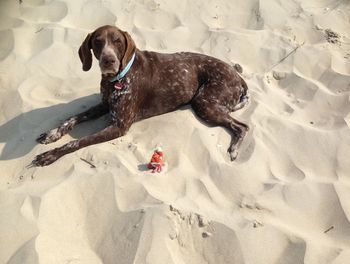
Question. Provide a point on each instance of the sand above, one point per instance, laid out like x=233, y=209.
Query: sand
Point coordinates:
x=286, y=199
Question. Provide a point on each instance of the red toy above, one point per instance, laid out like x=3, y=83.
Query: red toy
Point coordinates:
x=157, y=161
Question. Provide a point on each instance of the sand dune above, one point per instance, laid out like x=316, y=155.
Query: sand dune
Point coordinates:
x=284, y=200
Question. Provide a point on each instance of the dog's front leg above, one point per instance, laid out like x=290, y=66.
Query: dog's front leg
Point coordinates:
x=56, y=133
x=109, y=133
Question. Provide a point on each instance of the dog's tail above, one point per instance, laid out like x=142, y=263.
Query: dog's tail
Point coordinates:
x=238, y=68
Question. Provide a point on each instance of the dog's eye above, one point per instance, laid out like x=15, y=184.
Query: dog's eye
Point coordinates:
x=116, y=41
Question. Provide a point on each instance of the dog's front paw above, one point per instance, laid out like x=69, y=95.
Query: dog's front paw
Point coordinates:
x=232, y=151
x=46, y=158
x=49, y=137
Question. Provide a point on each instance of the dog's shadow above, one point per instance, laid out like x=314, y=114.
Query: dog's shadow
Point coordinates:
x=143, y=167
x=19, y=134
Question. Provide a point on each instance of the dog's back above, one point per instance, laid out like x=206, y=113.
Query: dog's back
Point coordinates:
x=163, y=82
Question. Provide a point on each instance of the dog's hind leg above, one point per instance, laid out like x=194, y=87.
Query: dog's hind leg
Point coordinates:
x=218, y=115
x=56, y=133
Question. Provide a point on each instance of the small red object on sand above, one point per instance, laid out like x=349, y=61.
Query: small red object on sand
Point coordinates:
x=157, y=161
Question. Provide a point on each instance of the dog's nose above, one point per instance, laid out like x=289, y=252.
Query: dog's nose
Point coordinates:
x=108, y=61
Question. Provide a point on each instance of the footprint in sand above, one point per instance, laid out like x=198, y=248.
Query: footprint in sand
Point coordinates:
x=301, y=88
x=217, y=14
x=322, y=199
x=30, y=208
x=324, y=69
x=306, y=94
x=44, y=12
x=7, y=43
x=159, y=20
x=93, y=15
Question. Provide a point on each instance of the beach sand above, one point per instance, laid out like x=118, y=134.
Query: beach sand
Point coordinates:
x=286, y=199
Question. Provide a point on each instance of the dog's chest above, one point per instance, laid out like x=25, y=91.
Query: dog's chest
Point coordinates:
x=118, y=96
x=113, y=92
x=119, y=89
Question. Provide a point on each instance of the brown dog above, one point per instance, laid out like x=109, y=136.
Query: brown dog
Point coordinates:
x=140, y=84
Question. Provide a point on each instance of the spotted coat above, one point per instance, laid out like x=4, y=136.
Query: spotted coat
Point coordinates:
x=156, y=83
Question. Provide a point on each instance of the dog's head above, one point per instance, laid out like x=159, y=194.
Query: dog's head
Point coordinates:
x=112, y=47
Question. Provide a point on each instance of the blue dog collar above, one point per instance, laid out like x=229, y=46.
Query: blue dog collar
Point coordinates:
x=125, y=70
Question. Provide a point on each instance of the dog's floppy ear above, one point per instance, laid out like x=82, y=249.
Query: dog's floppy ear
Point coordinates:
x=85, y=53
x=130, y=49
